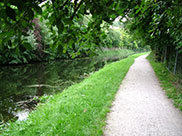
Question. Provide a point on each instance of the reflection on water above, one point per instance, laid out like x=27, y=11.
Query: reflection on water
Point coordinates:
x=21, y=85
x=22, y=115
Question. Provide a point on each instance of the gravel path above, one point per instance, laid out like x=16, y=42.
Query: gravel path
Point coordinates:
x=141, y=107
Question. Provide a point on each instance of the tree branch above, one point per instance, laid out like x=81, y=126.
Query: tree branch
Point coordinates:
x=76, y=9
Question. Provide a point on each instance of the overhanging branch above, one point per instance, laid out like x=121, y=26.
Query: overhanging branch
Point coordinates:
x=76, y=9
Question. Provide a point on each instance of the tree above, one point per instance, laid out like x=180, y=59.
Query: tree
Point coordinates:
x=157, y=22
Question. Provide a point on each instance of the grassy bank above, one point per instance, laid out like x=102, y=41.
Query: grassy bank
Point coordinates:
x=79, y=110
x=169, y=82
x=115, y=53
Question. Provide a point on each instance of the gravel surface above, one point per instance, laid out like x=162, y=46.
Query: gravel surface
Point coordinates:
x=141, y=107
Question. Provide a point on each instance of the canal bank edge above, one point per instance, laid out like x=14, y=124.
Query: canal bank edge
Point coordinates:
x=81, y=109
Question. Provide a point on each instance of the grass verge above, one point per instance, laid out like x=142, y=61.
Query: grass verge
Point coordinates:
x=114, y=53
x=79, y=110
x=168, y=81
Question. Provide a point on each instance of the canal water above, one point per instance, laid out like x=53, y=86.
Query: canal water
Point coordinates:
x=22, y=85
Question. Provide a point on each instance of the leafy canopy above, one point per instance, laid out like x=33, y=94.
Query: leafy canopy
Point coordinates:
x=157, y=22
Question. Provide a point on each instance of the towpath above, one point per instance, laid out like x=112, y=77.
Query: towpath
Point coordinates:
x=141, y=107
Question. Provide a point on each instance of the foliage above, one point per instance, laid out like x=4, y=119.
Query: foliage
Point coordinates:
x=113, y=38
x=74, y=26
x=169, y=82
x=80, y=30
x=158, y=24
x=18, y=52
x=128, y=41
x=119, y=37
x=79, y=110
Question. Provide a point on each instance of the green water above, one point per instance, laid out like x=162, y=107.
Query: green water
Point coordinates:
x=20, y=86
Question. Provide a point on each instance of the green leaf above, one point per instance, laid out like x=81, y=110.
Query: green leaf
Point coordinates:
x=17, y=51
x=60, y=49
x=60, y=26
x=28, y=46
x=67, y=21
x=55, y=45
x=14, y=62
x=11, y=13
x=24, y=24
x=24, y=60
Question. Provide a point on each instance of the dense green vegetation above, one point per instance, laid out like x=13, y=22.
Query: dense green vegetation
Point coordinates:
x=159, y=23
x=69, y=29
x=79, y=110
x=45, y=30
x=170, y=83
x=119, y=37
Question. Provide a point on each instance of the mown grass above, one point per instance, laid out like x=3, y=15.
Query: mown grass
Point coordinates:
x=168, y=81
x=79, y=110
